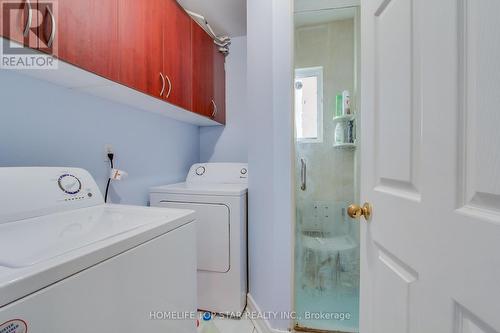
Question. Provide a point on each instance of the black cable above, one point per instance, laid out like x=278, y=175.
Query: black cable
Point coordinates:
x=110, y=156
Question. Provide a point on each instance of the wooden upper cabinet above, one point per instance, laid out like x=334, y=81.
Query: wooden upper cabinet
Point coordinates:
x=209, y=76
x=19, y=21
x=140, y=45
x=203, y=71
x=86, y=34
x=177, y=55
x=219, y=85
x=151, y=46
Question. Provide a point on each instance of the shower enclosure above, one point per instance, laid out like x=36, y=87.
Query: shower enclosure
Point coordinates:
x=326, y=133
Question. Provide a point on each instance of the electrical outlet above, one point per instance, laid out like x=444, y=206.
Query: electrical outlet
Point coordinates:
x=108, y=149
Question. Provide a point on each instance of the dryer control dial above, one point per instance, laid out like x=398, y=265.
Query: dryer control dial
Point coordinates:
x=200, y=170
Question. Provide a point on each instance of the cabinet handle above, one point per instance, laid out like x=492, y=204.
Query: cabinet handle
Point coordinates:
x=214, y=112
x=163, y=84
x=53, y=32
x=27, y=26
x=169, y=86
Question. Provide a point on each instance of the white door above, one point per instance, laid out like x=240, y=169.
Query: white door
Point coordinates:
x=431, y=166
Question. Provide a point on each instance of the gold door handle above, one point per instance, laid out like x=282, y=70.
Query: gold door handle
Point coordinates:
x=356, y=211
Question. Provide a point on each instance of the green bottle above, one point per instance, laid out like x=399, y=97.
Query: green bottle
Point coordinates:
x=338, y=105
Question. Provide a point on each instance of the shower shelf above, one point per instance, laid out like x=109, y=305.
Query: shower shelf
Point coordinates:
x=347, y=117
x=345, y=145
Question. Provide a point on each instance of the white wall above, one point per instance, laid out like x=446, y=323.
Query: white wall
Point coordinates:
x=270, y=77
x=42, y=124
x=230, y=143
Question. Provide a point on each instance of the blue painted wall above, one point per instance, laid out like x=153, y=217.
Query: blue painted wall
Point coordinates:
x=270, y=155
x=42, y=124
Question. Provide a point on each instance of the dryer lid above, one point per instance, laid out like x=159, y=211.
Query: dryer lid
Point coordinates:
x=224, y=179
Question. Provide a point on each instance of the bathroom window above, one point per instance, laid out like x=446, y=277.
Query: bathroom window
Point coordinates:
x=309, y=104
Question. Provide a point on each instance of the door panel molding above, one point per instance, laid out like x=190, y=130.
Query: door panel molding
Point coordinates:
x=479, y=78
x=468, y=322
x=382, y=6
x=397, y=100
x=398, y=188
x=405, y=272
x=394, y=275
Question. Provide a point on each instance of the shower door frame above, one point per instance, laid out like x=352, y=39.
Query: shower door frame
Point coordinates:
x=357, y=159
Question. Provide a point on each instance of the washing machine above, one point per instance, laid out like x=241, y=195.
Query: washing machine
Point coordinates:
x=71, y=263
x=217, y=192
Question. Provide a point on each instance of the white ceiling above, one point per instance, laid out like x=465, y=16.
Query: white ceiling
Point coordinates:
x=226, y=17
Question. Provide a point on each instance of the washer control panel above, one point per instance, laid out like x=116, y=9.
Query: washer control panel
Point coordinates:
x=75, y=185
x=34, y=191
x=72, y=188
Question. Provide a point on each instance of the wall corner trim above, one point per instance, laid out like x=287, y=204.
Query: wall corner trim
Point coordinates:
x=262, y=325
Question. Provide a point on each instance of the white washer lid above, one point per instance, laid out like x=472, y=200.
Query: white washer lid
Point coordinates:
x=202, y=189
x=40, y=251
x=31, y=241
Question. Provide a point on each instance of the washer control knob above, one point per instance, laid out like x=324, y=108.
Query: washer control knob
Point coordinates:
x=200, y=170
x=69, y=184
x=244, y=171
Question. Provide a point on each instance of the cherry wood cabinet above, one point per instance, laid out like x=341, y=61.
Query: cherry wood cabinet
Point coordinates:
x=85, y=35
x=203, y=71
x=140, y=45
x=219, y=65
x=151, y=46
x=209, y=76
x=177, y=55
x=19, y=21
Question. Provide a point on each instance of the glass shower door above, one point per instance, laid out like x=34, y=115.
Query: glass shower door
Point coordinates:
x=326, y=239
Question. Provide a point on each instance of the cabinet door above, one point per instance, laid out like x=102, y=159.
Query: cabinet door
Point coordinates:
x=18, y=21
x=203, y=71
x=219, y=86
x=86, y=35
x=140, y=45
x=177, y=55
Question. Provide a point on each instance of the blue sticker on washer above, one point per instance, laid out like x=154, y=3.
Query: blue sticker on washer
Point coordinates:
x=14, y=326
